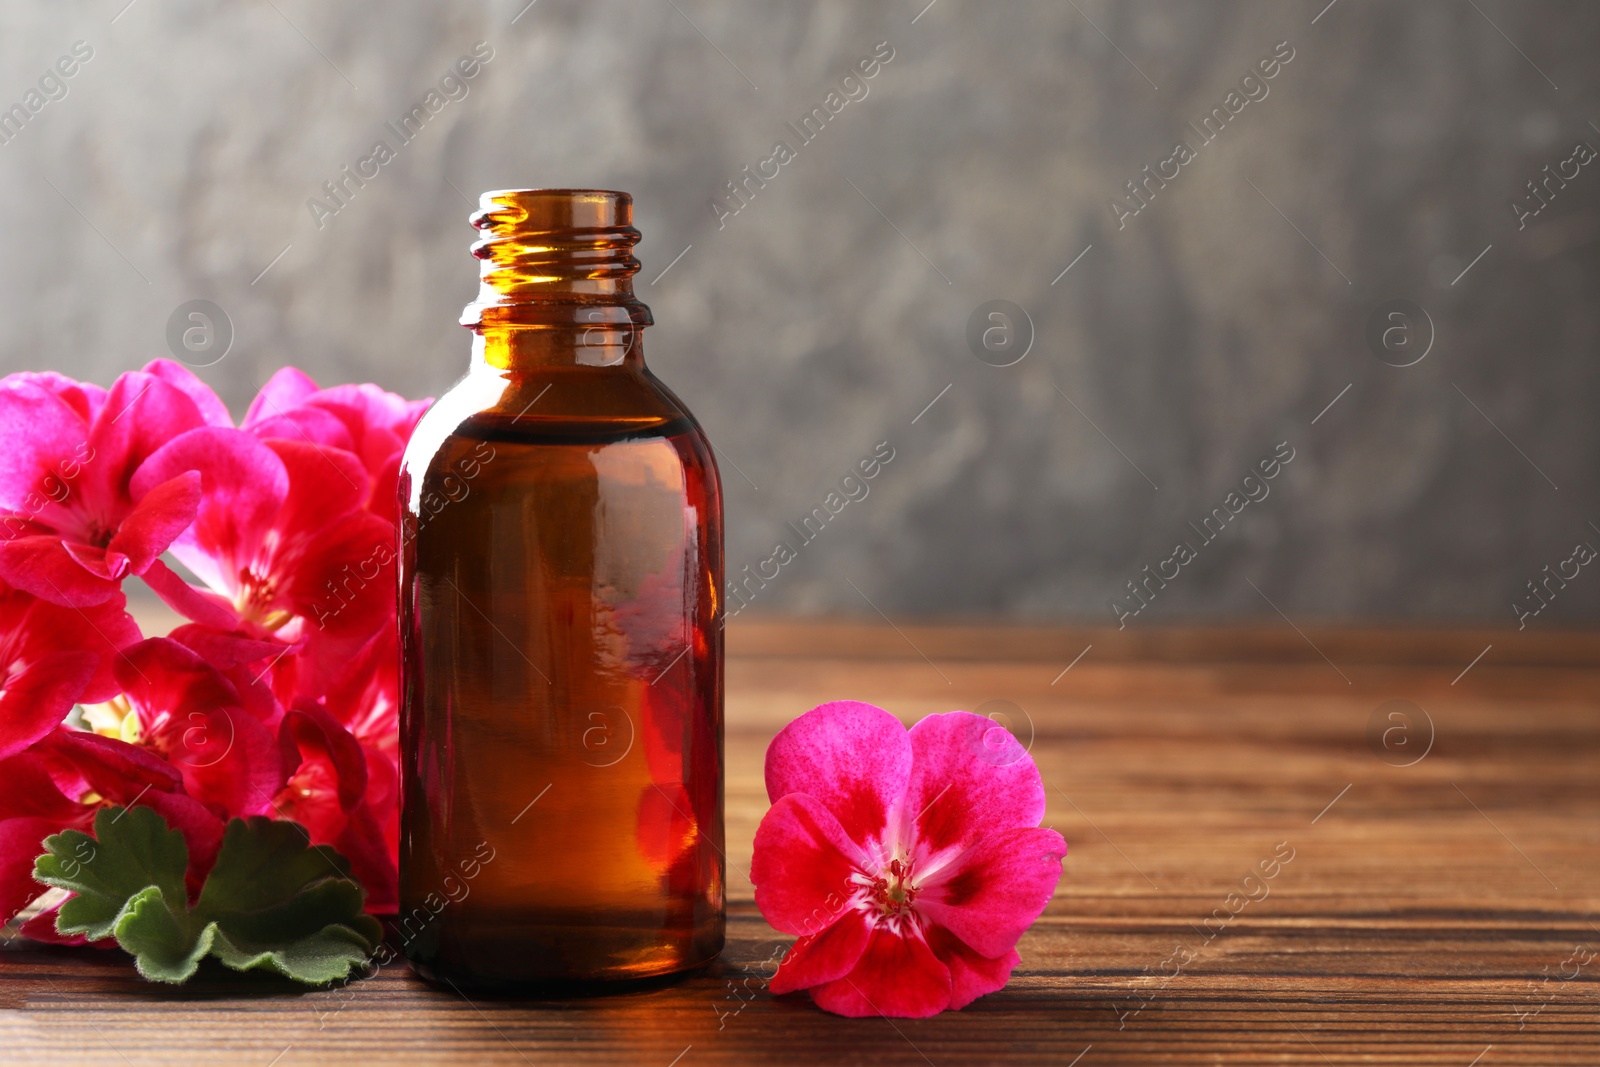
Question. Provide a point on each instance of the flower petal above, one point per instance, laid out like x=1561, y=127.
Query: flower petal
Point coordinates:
x=33, y=630
x=226, y=650
x=206, y=608
x=181, y=378
x=371, y=849
x=971, y=975
x=853, y=757
x=26, y=788
x=37, y=430
x=306, y=425
x=385, y=487
x=37, y=697
x=367, y=698
x=21, y=842
x=47, y=568
x=230, y=761
x=367, y=408
x=102, y=563
x=802, y=865
x=160, y=676
x=379, y=423
x=324, y=483
x=969, y=777
x=85, y=398
x=344, y=589
x=141, y=414
x=157, y=520
x=104, y=629
x=244, y=487
x=116, y=770
x=993, y=892
x=287, y=389
x=317, y=735
x=826, y=956
x=898, y=976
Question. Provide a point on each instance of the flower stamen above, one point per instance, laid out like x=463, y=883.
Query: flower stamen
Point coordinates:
x=893, y=891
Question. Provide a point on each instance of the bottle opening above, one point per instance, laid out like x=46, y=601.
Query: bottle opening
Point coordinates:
x=555, y=257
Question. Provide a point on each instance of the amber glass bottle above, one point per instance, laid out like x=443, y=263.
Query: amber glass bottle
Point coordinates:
x=561, y=718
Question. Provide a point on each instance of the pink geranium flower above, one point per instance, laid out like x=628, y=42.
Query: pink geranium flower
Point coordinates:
x=292, y=561
x=222, y=743
x=332, y=795
x=908, y=862
x=72, y=526
x=53, y=657
x=369, y=422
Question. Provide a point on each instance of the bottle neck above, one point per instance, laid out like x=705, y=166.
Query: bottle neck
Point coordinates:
x=557, y=281
x=518, y=347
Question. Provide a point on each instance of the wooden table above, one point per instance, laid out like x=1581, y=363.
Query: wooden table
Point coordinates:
x=1443, y=912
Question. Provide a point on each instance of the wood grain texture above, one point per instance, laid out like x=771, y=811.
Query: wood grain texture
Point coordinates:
x=1430, y=913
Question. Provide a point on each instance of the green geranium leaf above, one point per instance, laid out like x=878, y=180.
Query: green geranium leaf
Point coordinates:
x=271, y=901
x=157, y=930
x=131, y=851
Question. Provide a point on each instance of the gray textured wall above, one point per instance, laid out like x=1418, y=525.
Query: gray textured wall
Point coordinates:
x=1177, y=352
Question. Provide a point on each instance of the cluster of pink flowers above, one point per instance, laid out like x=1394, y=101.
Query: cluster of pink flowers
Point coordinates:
x=279, y=696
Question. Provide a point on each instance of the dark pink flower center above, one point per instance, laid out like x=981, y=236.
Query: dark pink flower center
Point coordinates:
x=257, y=599
x=893, y=891
x=78, y=527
